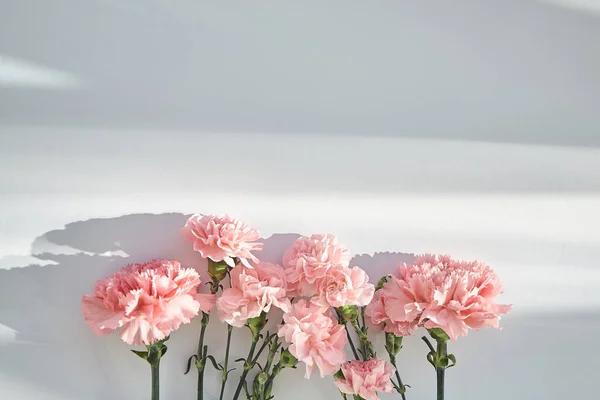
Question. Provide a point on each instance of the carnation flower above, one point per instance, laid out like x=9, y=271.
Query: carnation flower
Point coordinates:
x=147, y=301
x=366, y=378
x=376, y=311
x=309, y=259
x=316, y=339
x=253, y=290
x=222, y=238
x=343, y=286
x=438, y=292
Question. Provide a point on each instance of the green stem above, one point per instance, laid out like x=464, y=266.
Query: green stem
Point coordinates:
x=400, y=384
x=276, y=368
x=247, y=366
x=269, y=385
x=155, y=381
x=351, y=343
x=201, y=356
x=264, y=345
x=362, y=315
x=226, y=362
x=442, y=351
x=272, y=351
x=367, y=347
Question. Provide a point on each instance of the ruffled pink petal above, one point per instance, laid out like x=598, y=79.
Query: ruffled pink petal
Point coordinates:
x=102, y=321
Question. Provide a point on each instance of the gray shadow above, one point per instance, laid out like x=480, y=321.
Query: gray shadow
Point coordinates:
x=546, y=356
x=45, y=340
x=380, y=264
x=222, y=69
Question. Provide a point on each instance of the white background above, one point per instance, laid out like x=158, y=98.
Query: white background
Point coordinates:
x=461, y=127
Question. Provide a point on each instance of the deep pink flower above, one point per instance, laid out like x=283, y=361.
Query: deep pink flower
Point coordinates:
x=309, y=259
x=316, y=338
x=366, y=378
x=147, y=301
x=253, y=290
x=222, y=238
x=438, y=292
x=343, y=286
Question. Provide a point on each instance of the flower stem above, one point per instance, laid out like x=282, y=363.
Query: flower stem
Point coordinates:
x=367, y=347
x=351, y=343
x=226, y=362
x=268, y=387
x=152, y=355
x=201, y=356
x=155, y=381
x=440, y=371
x=247, y=366
x=439, y=358
x=400, y=384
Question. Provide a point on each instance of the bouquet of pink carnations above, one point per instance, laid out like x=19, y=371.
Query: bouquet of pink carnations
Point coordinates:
x=327, y=305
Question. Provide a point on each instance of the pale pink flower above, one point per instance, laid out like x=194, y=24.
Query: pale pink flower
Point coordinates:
x=376, y=311
x=343, y=286
x=366, y=378
x=438, y=292
x=316, y=338
x=147, y=301
x=310, y=258
x=222, y=238
x=253, y=290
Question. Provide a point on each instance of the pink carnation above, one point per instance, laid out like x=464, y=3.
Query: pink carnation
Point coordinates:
x=148, y=301
x=317, y=339
x=222, y=238
x=366, y=378
x=376, y=311
x=253, y=290
x=343, y=286
x=438, y=292
x=309, y=259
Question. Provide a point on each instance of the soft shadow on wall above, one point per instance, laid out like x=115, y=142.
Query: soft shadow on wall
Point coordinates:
x=51, y=349
x=49, y=353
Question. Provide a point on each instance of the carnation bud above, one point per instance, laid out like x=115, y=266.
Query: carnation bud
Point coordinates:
x=256, y=324
x=262, y=378
x=393, y=343
x=382, y=282
x=287, y=359
x=217, y=270
x=350, y=313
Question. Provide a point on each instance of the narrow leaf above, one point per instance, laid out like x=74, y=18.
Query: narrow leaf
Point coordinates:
x=140, y=354
x=189, y=364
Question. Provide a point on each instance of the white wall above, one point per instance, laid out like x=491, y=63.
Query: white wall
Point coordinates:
x=466, y=128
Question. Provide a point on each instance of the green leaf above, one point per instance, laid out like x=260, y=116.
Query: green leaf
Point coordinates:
x=431, y=358
x=452, y=358
x=189, y=364
x=140, y=354
x=214, y=363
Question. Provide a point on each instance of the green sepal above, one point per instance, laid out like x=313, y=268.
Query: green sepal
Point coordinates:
x=438, y=334
x=382, y=282
x=393, y=343
x=349, y=313
x=287, y=359
x=141, y=354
